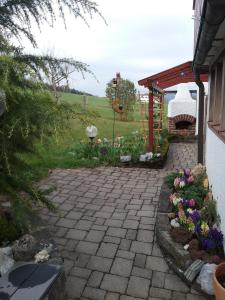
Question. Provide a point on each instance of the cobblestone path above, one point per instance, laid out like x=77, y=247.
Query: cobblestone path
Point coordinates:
x=106, y=231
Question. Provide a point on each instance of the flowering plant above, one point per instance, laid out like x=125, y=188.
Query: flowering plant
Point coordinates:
x=213, y=240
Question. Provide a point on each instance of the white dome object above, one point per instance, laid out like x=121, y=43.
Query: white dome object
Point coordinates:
x=91, y=131
x=182, y=104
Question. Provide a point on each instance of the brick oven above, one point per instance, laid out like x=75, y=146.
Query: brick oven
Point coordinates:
x=182, y=113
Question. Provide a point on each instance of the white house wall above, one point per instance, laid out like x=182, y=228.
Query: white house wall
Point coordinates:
x=215, y=163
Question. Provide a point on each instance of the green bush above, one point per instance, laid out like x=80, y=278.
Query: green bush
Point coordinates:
x=9, y=231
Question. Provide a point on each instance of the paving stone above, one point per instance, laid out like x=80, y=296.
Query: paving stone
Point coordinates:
x=131, y=234
x=194, y=297
x=178, y=296
x=81, y=260
x=156, y=264
x=114, y=283
x=87, y=247
x=75, y=286
x=141, y=272
x=158, y=279
x=160, y=293
x=117, y=232
x=95, y=236
x=112, y=239
x=125, y=244
x=125, y=254
x=112, y=296
x=140, y=260
x=156, y=251
x=130, y=224
x=93, y=293
x=76, y=234
x=145, y=213
x=80, y=272
x=125, y=297
x=140, y=247
x=121, y=267
x=67, y=264
x=83, y=225
x=102, y=214
x=148, y=221
x=107, y=250
x=99, y=227
x=101, y=264
x=173, y=282
x=145, y=236
x=119, y=216
x=114, y=223
x=138, y=287
x=64, y=222
x=74, y=215
x=95, y=279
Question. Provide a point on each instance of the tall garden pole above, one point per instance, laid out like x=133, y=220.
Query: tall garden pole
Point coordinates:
x=150, y=119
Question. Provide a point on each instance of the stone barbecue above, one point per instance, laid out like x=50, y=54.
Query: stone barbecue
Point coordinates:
x=182, y=113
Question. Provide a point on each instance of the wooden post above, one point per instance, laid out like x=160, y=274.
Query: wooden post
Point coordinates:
x=150, y=120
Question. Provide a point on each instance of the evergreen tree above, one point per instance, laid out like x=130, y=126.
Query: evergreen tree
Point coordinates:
x=28, y=110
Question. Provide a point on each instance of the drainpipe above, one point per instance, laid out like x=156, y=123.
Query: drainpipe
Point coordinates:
x=200, y=117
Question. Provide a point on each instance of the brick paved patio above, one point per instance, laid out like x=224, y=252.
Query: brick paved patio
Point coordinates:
x=106, y=231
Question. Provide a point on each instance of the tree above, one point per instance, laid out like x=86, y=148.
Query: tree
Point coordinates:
x=28, y=110
x=123, y=90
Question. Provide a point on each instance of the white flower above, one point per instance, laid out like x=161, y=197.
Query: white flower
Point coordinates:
x=182, y=184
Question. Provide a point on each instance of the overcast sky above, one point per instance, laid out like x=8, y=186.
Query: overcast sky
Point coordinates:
x=142, y=38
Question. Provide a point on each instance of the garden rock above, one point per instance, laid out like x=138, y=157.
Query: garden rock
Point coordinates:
x=7, y=251
x=125, y=158
x=205, y=279
x=25, y=248
x=6, y=263
x=42, y=256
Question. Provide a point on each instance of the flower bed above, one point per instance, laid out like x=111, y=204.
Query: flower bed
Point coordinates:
x=129, y=151
x=193, y=218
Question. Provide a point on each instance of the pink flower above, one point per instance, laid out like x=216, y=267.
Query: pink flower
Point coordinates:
x=190, y=179
x=192, y=203
x=187, y=172
x=176, y=182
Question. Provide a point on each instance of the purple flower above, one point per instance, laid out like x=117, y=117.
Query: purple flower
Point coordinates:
x=104, y=151
x=187, y=172
x=197, y=229
x=216, y=235
x=195, y=216
x=208, y=244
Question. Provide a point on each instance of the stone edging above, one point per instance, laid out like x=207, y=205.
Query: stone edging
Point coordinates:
x=175, y=255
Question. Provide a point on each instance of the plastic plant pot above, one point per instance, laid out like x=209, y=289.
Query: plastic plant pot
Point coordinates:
x=218, y=288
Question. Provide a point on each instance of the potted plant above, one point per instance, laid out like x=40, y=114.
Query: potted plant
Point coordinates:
x=219, y=281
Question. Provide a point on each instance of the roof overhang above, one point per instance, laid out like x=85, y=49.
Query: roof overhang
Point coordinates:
x=211, y=34
x=180, y=74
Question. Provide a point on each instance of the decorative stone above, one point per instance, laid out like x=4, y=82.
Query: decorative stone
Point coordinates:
x=7, y=251
x=146, y=157
x=186, y=247
x=6, y=263
x=193, y=270
x=42, y=256
x=174, y=223
x=125, y=158
x=171, y=215
x=25, y=248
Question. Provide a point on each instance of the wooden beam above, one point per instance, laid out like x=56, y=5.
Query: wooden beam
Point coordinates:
x=150, y=120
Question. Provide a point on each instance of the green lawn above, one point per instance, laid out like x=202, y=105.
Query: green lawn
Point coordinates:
x=56, y=154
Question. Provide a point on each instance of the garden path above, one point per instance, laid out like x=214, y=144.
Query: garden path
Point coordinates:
x=106, y=231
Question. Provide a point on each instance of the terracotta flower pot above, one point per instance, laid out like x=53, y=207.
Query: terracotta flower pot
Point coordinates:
x=218, y=289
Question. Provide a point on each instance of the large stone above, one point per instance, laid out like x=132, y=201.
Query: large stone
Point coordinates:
x=6, y=263
x=25, y=248
x=138, y=287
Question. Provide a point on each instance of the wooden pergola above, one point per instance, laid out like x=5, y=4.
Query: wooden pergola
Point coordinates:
x=158, y=82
